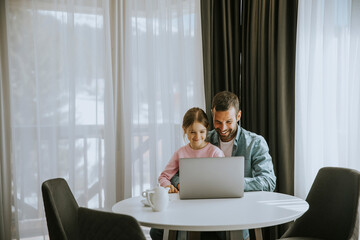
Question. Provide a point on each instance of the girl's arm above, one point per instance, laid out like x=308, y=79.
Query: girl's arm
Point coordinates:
x=170, y=170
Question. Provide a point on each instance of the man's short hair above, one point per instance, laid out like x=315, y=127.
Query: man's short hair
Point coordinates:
x=223, y=101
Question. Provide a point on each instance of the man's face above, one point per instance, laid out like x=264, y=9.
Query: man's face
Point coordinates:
x=225, y=123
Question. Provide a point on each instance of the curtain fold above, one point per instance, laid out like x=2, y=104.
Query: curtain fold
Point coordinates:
x=116, y=32
x=221, y=37
x=268, y=83
x=5, y=135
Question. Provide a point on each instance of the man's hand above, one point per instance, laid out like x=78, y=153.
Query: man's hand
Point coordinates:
x=172, y=189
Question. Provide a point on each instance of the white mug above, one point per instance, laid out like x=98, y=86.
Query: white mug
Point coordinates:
x=158, y=198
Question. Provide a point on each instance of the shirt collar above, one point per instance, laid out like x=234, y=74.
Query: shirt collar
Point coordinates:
x=238, y=132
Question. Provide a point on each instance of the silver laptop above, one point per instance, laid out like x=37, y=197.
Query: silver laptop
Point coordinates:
x=211, y=177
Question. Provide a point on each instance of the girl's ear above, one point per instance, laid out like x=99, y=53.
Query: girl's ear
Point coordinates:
x=184, y=135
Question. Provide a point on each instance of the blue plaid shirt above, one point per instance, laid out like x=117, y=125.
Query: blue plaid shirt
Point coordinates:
x=259, y=170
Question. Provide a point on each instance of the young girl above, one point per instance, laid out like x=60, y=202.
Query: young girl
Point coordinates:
x=195, y=126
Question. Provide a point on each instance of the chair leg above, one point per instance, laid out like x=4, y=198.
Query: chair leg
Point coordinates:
x=194, y=235
x=172, y=234
x=237, y=234
x=258, y=234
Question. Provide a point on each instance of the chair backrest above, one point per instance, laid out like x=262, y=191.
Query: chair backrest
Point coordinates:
x=61, y=210
x=98, y=225
x=333, y=211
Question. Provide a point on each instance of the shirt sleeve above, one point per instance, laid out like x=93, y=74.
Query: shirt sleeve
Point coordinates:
x=175, y=180
x=263, y=171
x=170, y=170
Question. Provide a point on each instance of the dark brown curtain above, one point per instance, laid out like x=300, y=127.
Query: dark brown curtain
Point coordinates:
x=268, y=80
x=265, y=36
x=221, y=47
x=268, y=84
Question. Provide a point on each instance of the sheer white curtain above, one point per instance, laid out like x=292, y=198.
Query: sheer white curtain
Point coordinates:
x=162, y=78
x=97, y=94
x=60, y=92
x=327, y=117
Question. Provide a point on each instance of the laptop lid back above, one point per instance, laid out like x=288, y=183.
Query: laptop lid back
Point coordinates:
x=211, y=177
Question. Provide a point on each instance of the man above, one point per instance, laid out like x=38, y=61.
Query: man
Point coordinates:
x=236, y=141
x=230, y=137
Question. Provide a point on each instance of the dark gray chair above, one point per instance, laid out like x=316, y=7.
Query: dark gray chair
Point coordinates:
x=66, y=221
x=61, y=210
x=98, y=225
x=333, y=211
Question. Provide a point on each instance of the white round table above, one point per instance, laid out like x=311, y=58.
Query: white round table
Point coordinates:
x=254, y=210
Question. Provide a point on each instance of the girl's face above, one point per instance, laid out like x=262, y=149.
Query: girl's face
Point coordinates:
x=196, y=133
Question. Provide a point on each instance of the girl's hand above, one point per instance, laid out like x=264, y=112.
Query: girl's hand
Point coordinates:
x=172, y=189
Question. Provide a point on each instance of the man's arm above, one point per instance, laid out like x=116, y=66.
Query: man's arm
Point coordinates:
x=262, y=169
x=175, y=180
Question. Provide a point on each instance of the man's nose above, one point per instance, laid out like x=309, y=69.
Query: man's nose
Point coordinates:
x=223, y=127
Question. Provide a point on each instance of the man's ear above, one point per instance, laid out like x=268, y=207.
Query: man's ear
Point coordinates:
x=238, y=116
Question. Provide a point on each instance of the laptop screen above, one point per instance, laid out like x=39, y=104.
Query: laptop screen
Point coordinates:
x=211, y=177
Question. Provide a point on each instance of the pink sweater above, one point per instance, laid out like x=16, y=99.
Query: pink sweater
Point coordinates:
x=186, y=152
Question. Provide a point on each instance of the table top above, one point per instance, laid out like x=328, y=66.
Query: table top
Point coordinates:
x=254, y=210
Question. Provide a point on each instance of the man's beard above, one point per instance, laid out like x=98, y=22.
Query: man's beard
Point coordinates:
x=228, y=137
